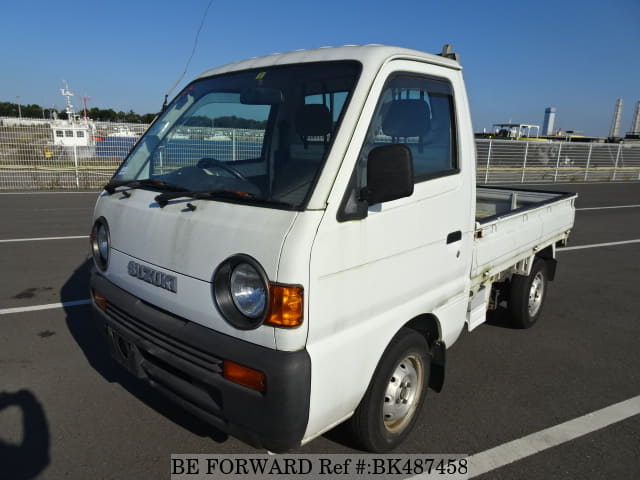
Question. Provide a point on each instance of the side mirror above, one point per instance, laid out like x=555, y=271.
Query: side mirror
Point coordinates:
x=389, y=174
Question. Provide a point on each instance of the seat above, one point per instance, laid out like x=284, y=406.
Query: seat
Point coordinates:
x=407, y=118
x=313, y=124
x=313, y=120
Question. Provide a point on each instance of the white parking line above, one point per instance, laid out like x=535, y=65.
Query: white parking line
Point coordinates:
x=607, y=208
x=515, y=450
x=50, y=193
x=35, y=308
x=10, y=240
x=596, y=245
x=550, y=184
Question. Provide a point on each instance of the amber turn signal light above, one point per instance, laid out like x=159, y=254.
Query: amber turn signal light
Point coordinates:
x=245, y=376
x=286, y=306
x=99, y=300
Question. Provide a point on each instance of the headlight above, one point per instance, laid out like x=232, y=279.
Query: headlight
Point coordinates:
x=100, y=243
x=248, y=291
x=241, y=291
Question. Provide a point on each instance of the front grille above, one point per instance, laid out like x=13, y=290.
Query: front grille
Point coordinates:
x=178, y=348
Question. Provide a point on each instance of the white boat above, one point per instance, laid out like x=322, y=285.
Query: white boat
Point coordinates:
x=122, y=131
x=218, y=138
x=75, y=134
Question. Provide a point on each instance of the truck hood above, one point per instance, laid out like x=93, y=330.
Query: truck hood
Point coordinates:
x=190, y=245
x=193, y=243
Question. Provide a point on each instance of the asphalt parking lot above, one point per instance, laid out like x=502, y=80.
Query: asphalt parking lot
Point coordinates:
x=67, y=411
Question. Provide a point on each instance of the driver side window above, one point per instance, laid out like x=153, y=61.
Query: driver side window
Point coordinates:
x=417, y=112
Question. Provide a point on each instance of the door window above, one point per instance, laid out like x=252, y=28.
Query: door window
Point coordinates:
x=419, y=113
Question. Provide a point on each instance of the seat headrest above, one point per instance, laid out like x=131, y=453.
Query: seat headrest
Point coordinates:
x=313, y=120
x=407, y=118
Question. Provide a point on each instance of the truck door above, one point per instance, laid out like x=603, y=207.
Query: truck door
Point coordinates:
x=375, y=267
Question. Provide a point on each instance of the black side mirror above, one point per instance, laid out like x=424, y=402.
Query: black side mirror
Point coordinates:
x=389, y=174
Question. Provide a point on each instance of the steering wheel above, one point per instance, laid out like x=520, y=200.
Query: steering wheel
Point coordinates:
x=204, y=163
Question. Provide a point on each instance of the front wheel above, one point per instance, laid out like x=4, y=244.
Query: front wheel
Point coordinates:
x=527, y=295
x=389, y=408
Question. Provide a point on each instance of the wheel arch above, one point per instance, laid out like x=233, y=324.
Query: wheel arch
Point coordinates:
x=428, y=326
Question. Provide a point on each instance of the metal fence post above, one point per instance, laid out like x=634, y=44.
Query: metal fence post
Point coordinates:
x=586, y=170
x=486, y=172
x=233, y=145
x=555, y=178
x=524, y=164
x=615, y=167
x=75, y=161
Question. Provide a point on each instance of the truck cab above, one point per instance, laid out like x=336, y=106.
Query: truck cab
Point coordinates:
x=293, y=243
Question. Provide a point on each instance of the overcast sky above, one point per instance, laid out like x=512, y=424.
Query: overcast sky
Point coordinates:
x=518, y=58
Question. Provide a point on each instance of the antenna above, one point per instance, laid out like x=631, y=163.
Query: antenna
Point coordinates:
x=84, y=106
x=193, y=51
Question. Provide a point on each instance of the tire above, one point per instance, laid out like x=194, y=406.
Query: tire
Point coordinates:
x=527, y=295
x=390, y=406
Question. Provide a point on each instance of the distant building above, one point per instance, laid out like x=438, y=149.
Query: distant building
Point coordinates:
x=635, y=124
x=22, y=122
x=549, y=120
x=615, y=124
x=516, y=130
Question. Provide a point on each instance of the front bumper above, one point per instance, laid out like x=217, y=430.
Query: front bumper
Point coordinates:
x=183, y=360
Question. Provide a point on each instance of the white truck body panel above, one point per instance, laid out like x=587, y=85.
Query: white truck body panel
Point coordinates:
x=363, y=280
x=393, y=264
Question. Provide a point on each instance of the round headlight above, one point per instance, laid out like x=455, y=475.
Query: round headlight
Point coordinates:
x=241, y=291
x=100, y=243
x=248, y=292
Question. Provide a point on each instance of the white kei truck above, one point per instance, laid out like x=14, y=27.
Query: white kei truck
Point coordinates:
x=298, y=238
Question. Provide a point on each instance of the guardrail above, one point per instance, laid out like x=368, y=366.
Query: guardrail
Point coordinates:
x=508, y=161
x=42, y=154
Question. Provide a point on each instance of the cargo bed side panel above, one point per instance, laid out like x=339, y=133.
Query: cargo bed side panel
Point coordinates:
x=501, y=241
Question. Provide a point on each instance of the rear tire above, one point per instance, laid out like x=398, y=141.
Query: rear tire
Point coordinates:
x=390, y=406
x=527, y=295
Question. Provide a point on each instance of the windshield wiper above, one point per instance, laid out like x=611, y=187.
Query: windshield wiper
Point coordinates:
x=146, y=182
x=163, y=198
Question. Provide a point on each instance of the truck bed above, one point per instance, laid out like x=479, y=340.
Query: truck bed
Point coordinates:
x=513, y=224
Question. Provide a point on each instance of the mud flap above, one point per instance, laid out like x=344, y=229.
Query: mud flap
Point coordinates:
x=438, y=358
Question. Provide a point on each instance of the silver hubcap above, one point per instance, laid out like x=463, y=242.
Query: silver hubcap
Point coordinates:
x=403, y=393
x=536, y=293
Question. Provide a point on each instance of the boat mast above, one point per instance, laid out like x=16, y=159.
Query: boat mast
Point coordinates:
x=67, y=94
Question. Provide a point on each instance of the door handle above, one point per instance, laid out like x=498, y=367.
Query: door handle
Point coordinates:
x=454, y=237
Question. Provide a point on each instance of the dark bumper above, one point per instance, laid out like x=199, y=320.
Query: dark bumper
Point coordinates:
x=183, y=360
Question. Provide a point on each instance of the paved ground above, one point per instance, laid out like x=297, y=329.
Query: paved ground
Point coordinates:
x=85, y=418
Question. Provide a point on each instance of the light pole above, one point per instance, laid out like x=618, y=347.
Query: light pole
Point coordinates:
x=19, y=109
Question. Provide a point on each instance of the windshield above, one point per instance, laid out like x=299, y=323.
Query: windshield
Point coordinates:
x=262, y=133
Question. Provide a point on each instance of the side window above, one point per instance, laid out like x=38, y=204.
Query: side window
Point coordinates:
x=417, y=112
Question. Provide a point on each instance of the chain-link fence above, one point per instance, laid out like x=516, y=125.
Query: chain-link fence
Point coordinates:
x=42, y=154
x=187, y=145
